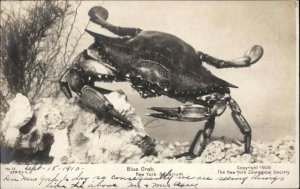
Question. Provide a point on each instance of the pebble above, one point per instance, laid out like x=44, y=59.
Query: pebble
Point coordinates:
x=198, y=160
x=292, y=159
x=167, y=153
x=227, y=146
x=181, y=149
x=273, y=159
x=233, y=160
x=232, y=152
x=283, y=147
x=239, y=143
x=181, y=160
x=234, y=146
x=177, y=144
x=283, y=155
x=156, y=160
x=171, y=147
x=217, y=152
x=291, y=145
x=246, y=158
x=162, y=142
x=186, y=144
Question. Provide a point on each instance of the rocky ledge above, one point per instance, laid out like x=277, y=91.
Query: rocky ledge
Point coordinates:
x=65, y=131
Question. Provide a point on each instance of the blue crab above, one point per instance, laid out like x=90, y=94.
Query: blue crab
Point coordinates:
x=157, y=63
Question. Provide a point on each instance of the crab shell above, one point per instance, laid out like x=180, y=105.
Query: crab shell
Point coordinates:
x=159, y=63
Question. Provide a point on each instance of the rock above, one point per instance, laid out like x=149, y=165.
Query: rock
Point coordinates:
x=282, y=154
x=245, y=158
x=60, y=148
x=19, y=130
x=198, y=160
x=233, y=160
x=273, y=159
x=237, y=142
x=162, y=142
x=177, y=144
x=182, y=149
x=232, y=152
x=95, y=140
x=291, y=145
x=186, y=144
x=213, y=151
x=228, y=146
x=80, y=135
x=147, y=159
x=167, y=152
x=120, y=103
x=234, y=146
x=292, y=159
x=181, y=160
x=19, y=113
x=283, y=147
x=171, y=147
x=12, y=134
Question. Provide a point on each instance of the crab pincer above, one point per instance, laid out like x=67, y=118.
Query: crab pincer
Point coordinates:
x=188, y=113
x=99, y=103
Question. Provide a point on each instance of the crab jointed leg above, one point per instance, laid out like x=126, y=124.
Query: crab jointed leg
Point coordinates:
x=201, y=137
x=241, y=123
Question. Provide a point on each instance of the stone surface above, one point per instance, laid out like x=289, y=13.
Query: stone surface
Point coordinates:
x=19, y=113
x=96, y=140
x=92, y=138
x=81, y=136
x=18, y=130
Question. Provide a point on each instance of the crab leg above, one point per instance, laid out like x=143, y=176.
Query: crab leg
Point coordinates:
x=241, y=123
x=250, y=57
x=199, y=142
x=99, y=15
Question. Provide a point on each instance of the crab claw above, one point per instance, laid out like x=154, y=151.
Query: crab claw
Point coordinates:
x=99, y=103
x=188, y=113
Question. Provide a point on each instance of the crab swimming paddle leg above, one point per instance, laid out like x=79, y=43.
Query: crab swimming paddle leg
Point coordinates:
x=99, y=15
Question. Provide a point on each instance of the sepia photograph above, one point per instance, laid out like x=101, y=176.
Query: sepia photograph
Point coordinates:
x=117, y=85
